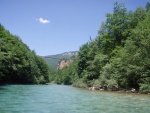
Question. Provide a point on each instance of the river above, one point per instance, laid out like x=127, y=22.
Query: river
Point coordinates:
x=67, y=99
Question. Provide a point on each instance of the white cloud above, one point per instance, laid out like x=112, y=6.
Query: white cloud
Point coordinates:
x=43, y=21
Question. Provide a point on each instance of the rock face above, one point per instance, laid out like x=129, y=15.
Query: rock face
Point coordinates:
x=58, y=61
x=64, y=63
x=69, y=59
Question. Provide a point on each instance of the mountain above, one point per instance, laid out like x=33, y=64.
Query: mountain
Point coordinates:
x=64, y=63
x=56, y=61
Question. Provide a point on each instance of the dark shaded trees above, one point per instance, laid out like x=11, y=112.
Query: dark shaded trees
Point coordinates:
x=18, y=63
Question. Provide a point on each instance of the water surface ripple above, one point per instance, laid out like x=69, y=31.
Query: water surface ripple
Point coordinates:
x=67, y=99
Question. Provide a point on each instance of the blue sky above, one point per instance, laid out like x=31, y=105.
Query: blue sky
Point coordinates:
x=55, y=26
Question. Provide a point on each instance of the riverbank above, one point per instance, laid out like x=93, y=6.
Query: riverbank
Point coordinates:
x=129, y=91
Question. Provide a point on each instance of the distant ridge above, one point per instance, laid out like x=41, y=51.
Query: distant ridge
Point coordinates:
x=54, y=60
x=70, y=53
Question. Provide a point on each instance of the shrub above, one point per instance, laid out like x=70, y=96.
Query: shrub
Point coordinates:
x=145, y=88
x=97, y=83
x=80, y=83
x=112, y=85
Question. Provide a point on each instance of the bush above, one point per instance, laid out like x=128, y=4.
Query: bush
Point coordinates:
x=112, y=85
x=97, y=83
x=145, y=88
x=80, y=83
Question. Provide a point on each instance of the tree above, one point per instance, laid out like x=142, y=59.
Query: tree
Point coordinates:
x=18, y=64
x=147, y=7
x=83, y=57
x=118, y=57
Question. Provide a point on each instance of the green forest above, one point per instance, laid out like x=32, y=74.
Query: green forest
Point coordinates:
x=18, y=64
x=118, y=58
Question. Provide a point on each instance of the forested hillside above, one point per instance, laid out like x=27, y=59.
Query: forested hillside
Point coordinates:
x=18, y=64
x=53, y=60
x=118, y=58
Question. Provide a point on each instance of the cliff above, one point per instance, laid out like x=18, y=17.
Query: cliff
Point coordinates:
x=64, y=63
x=58, y=61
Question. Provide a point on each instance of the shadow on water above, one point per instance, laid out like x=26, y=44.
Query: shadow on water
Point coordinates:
x=3, y=87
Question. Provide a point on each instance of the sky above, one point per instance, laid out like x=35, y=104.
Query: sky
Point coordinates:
x=55, y=26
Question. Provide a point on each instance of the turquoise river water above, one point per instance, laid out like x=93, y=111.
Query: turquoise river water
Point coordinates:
x=67, y=99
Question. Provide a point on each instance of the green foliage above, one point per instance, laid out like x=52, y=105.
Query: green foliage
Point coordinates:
x=80, y=83
x=18, y=64
x=83, y=58
x=97, y=83
x=147, y=6
x=111, y=84
x=145, y=88
x=119, y=56
x=67, y=75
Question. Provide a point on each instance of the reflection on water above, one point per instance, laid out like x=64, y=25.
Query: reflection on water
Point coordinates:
x=67, y=99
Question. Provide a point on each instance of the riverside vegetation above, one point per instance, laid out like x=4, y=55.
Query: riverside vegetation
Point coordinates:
x=118, y=58
x=18, y=64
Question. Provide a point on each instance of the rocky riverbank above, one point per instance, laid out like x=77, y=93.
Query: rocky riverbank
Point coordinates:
x=132, y=90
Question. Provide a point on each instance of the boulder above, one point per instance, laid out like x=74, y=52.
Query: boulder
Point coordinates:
x=133, y=90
